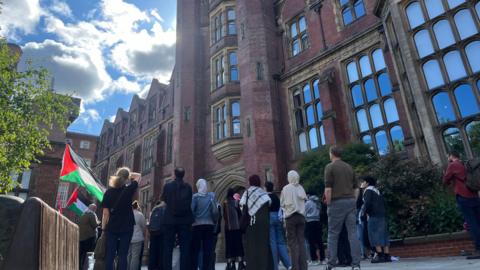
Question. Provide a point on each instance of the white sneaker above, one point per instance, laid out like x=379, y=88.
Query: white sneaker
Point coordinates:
x=316, y=263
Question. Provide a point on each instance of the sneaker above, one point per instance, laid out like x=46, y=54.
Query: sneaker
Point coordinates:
x=387, y=258
x=378, y=258
x=316, y=263
x=475, y=255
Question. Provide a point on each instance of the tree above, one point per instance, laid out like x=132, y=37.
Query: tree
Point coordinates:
x=29, y=110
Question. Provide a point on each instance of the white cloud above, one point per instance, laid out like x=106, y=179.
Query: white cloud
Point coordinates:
x=122, y=84
x=61, y=7
x=19, y=16
x=111, y=118
x=93, y=114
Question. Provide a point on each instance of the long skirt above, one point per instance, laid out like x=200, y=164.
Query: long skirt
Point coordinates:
x=258, y=253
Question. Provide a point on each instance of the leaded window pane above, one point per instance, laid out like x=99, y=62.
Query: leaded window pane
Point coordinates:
x=473, y=133
x=378, y=59
x=233, y=74
x=443, y=108
x=310, y=115
x=293, y=30
x=465, y=25
x=423, y=43
x=347, y=16
x=302, y=24
x=382, y=142
x=433, y=74
x=307, y=96
x=322, y=135
x=343, y=2
x=357, y=95
x=295, y=47
x=313, y=138
x=359, y=9
x=236, y=127
x=473, y=55
x=385, y=84
x=352, y=72
x=319, y=111
x=233, y=58
x=453, y=140
x=365, y=66
x=455, y=3
x=299, y=119
x=302, y=139
x=376, y=115
x=297, y=99
x=316, y=90
x=443, y=34
x=235, y=109
x=434, y=8
x=231, y=14
x=466, y=100
x=362, y=120
x=415, y=15
x=391, y=110
x=454, y=64
x=367, y=139
x=397, y=138
x=370, y=90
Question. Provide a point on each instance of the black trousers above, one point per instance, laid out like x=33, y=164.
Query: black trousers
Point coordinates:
x=85, y=246
x=202, y=240
x=155, y=258
x=184, y=234
x=313, y=232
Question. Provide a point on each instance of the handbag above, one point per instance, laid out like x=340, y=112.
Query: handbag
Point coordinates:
x=245, y=219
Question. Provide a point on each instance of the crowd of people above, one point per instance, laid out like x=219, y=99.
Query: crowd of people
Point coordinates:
x=261, y=229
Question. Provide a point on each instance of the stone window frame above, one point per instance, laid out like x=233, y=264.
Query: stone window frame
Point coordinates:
x=219, y=23
x=299, y=111
x=148, y=153
x=367, y=105
x=301, y=36
x=457, y=130
x=169, y=142
x=350, y=4
x=221, y=70
x=152, y=109
x=222, y=128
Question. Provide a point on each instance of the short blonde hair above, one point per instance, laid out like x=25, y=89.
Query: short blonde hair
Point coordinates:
x=120, y=178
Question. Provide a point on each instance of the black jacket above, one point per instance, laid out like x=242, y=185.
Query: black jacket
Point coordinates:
x=178, y=196
x=374, y=204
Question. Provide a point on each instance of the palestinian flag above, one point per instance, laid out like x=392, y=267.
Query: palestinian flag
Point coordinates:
x=76, y=170
x=75, y=204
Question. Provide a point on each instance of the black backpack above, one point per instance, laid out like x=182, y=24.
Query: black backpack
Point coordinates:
x=473, y=174
x=182, y=199
x=156, y=218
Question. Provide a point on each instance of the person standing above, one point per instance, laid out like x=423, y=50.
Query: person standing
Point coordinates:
x=233, y=234
x=468, y=201
x=118, y=219
x=205, y=211
x=87, y=233
x=178, y=220
x=136, y=244
x=374, y=205
x=259, y=256
x=292, y=200
x=156, y=232
x=277, y=233
x=314, y=230
x=341, y=191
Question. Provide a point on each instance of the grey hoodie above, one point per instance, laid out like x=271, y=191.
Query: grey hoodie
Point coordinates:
x=312, y=209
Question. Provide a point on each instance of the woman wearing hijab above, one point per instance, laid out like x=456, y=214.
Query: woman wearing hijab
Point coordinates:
x=258, y=253
x=205, y=211
x=292, y=201
x=233, y=234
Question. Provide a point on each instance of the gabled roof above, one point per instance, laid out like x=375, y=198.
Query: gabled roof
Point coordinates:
x=121, y=114
x=136, y=102
x=106, y=125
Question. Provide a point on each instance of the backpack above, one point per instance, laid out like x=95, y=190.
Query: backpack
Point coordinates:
x=182, y=198
x=473, y=174
x=156, y=218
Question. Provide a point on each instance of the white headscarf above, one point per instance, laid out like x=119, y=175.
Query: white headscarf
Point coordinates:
x=293, y=177
x=202, y=186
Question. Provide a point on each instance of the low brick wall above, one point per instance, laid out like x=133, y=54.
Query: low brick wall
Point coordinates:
x=440, y=245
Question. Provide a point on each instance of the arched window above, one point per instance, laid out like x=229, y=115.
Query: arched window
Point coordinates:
x=454, y=65
x=362, y=120
x=365, y=66
x=473, y=134
x=307, y=96
x=434, y=8
x=423, y=43
x=443, y=34
x=367, y=139
x=378, y=60
x=391, y=110
x=352, y=72
x=433, y=74
x=376, y=115
x=299, y=119
x=310, y=116
x=467, y=103
x=453, y=140
x=319, y=111
x=351, y=10
x=370, y=89
x=298, y=35
x=302, y=139
x=473, y=55
x=316, y=90
x=357, y=95
x=236, y=125
x=382, y=142
x=396, y=133
x=455, y=3
x=415, y=15
x=443, y=108
x=322, y=135
x=313, y=138
x=465, y=24
x=385, y=84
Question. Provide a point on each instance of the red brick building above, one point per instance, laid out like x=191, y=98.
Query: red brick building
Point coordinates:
x=258, y=83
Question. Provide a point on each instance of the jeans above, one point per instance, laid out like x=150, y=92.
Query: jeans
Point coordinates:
x=202, y=240
x=470, y=208
x=134, y=255
x=342, y=211
x=360, y=237
x=184, y=237
x=156, y=252
x=296, y=241
x=117, y=245
x=85, y=246
x=277, y=242
x=314, y=233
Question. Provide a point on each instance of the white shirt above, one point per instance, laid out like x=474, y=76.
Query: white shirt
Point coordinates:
x=139, y=228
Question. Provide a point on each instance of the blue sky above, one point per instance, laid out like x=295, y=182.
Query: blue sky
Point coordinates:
x=103, y=51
